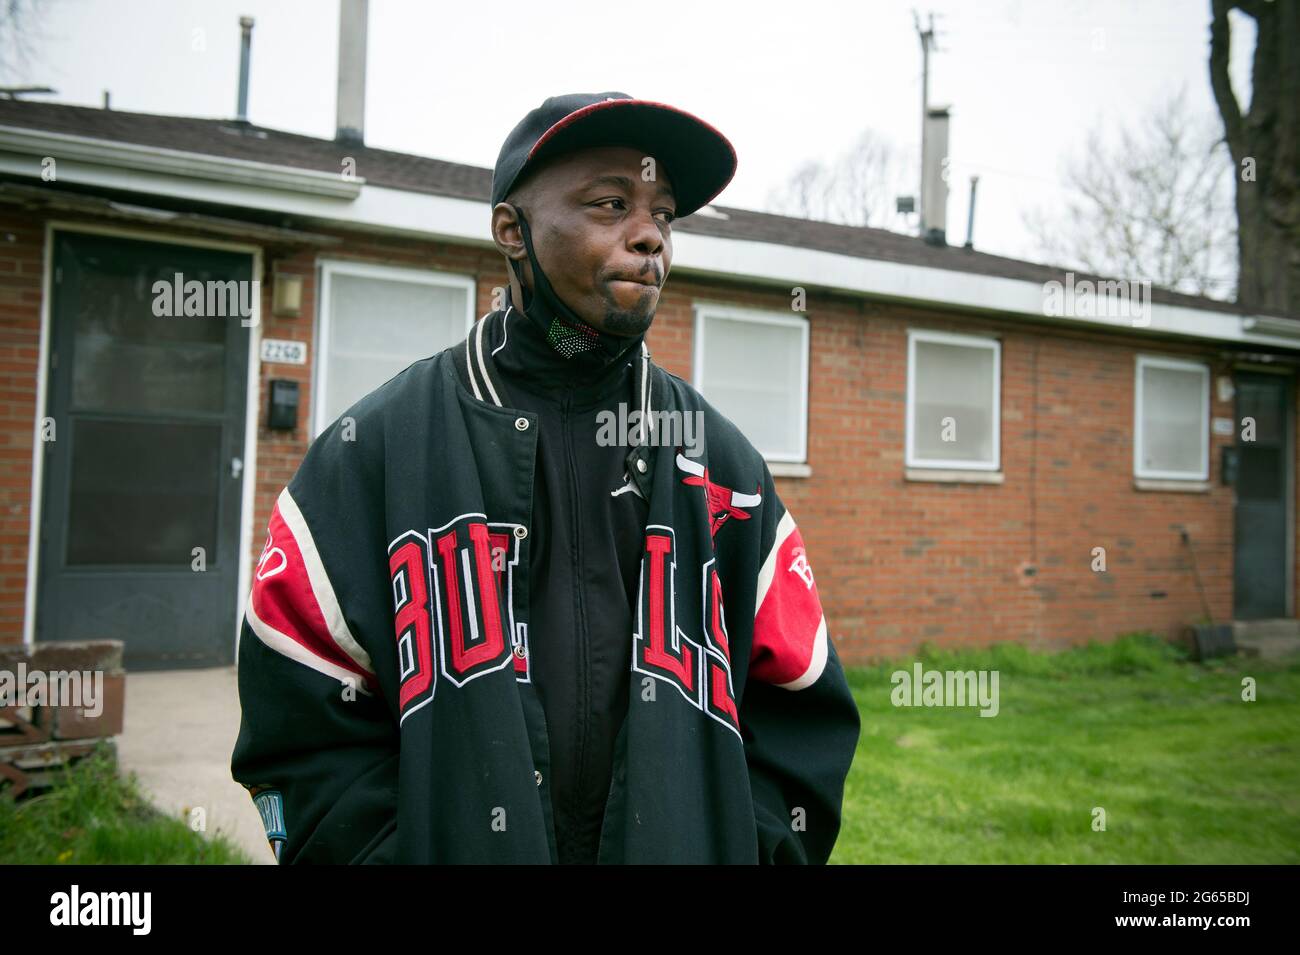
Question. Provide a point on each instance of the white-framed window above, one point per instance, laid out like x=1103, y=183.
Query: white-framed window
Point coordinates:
x=954, y=388
x=752, y=365
x=374, y=320
x=1171, y=419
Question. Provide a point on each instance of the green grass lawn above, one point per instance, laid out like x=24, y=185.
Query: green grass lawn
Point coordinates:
x=94, y=816
x=1185, y=770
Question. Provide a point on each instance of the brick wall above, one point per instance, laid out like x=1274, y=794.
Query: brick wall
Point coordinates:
x=898, y=562
x=22, y=246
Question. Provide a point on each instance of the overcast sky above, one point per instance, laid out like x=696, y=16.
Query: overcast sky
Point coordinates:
x=1027, y=80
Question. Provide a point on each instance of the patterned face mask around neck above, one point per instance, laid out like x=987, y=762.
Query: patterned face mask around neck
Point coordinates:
x=566, y=332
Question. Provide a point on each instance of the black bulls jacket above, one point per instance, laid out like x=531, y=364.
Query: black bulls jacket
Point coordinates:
x=401, y=703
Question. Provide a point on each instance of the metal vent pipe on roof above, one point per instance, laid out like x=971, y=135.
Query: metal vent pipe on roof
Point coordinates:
x=970, y=213
x=245, y=54
x=351, y=106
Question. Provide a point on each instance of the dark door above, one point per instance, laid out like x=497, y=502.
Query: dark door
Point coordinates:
x=142, y=484
x=1262, y=515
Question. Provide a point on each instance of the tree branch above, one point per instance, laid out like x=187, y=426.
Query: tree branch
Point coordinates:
x=1220, y=82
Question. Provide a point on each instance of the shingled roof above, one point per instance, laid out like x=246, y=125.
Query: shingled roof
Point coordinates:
x=382, y=167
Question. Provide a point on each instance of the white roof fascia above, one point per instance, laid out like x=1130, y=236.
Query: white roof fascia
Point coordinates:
x=352, y=203
x=63, y=147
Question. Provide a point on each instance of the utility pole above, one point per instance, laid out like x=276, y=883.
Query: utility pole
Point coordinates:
x=934, y=188
x=927, y=41
x=926, y=36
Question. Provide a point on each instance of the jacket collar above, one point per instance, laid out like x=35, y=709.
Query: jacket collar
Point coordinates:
x=480, y=366
x=554, y=358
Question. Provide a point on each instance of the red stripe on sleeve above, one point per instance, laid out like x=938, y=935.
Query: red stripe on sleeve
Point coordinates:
x=283, y=599
x=786, y=625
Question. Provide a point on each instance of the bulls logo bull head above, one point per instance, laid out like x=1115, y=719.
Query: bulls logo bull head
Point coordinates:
x=723, y=502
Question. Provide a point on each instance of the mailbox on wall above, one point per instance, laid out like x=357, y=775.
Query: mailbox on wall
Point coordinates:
x=282, y=415
x=1229, y=461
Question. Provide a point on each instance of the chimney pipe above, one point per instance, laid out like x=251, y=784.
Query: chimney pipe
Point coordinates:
x=970, y=213
x=351, y=108
x=245, y=54
x=934, y=186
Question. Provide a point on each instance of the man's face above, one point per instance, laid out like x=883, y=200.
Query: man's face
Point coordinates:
x=601, y=233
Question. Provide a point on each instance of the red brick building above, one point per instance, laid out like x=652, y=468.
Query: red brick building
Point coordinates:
x=970, y=460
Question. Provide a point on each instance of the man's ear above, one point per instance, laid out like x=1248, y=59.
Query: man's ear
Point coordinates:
x=509, y=238
x=507, y=234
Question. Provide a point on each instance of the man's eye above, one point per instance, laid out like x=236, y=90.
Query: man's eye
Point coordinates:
x=622, y=204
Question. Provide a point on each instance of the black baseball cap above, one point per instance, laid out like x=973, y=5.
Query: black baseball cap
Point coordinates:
x=700, y=161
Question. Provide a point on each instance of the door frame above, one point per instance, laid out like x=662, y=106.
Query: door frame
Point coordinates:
x=251, y=404
x=1292, y=384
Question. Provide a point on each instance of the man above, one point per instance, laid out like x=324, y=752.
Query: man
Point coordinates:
x=534, y=599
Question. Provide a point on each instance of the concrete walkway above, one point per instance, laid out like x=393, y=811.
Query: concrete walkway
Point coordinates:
x=179, y=729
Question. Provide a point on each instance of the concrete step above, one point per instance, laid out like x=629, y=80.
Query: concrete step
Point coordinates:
x=1279, y=627
x=1267, y=639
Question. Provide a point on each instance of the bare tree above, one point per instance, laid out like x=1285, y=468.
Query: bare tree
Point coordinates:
x=1153, y=203
x=1265, y=146
x=19, y=30
x=857, y=188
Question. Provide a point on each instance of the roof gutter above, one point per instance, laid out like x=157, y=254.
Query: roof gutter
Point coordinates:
x=1273, y=325
x=63, y=147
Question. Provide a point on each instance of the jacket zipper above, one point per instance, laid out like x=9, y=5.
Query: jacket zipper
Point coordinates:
x=580, y=610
